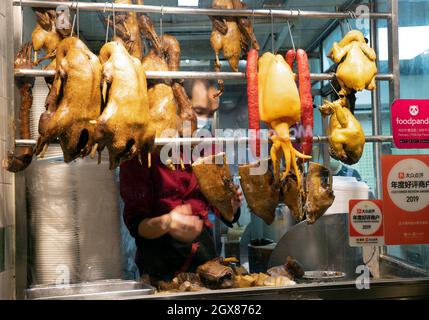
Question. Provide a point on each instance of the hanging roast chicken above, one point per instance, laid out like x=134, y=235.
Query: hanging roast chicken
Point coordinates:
x=123, y=126
x=345, y=134
x=356, y=69
x=231, y=35
x=73, y=104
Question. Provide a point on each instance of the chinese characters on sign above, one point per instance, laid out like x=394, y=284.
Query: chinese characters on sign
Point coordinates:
x=406, y=199
x=410, y=123
x=365, y=223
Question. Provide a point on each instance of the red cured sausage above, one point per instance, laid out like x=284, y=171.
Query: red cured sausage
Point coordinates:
x=306, y=101
x=290, y=58
x=253, y=100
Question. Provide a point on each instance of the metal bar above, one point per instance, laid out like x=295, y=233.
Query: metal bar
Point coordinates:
x=190, y=75
x=95, y=6
x=393, y=36
x=376, y=114
x=164, y=141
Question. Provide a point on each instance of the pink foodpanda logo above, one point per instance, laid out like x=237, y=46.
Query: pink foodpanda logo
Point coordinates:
x=414, y=110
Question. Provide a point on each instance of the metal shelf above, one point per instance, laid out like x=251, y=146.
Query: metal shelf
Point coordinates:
x=94, y=6
x=164, y=141
x=191, y=75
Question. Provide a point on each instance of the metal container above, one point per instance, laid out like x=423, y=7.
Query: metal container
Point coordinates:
x=109, y=289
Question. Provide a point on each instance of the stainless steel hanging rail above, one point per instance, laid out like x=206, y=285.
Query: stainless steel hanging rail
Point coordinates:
x=101, y=6
x=164, y=141
x=191, y=75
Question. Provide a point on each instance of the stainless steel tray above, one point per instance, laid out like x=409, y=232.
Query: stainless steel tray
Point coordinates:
x=105, y=289
x=323, y=275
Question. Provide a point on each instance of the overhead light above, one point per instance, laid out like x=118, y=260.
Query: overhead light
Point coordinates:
x=411, y=42
x=187, y=3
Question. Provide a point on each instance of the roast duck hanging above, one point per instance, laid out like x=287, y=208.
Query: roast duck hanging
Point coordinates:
x=73, y=104
x=169, y=104
x=45, y=36
x=281, y=106
x=124, y=125
x=356, y=71
x=232, y=35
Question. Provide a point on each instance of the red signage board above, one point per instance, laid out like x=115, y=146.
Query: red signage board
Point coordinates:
x=406, y=199
x=366, y=223
x=410, y=123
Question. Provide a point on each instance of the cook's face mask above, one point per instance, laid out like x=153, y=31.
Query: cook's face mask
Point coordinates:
x=204, y=123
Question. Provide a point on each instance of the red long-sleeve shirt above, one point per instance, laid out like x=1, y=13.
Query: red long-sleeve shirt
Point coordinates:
x=155, y=191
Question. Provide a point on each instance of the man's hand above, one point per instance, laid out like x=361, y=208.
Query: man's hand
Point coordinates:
x=237, y=200
x=184, y=226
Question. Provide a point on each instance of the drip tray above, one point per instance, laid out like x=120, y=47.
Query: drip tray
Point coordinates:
x=97, y=290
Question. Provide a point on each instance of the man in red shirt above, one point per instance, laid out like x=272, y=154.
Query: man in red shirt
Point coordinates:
x=167, y=214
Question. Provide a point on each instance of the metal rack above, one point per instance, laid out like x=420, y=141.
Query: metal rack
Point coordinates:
x=393, y=51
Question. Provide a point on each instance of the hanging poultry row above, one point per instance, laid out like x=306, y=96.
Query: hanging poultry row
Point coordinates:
x=128, y=111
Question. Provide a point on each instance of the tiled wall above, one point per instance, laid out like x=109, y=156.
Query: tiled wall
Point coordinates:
x=7, y=201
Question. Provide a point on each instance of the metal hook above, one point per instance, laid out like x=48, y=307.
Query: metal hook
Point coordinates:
x=74, y=22
x=114, y=20
x=334, y=89
x=108, y=22
x=77, y=19
x=272, y=31
x=291, y=37
x=161, y=24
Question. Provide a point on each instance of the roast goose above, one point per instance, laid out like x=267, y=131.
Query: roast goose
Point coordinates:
x=292, y=196
x=261, y=191
x=123, y=126
x=216, y=183
x=73, y=104
x=345, y=133
x=231, y=35
x=20, y=159
x=215, y=275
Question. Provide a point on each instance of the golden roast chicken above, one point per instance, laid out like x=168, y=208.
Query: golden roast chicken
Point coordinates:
x=280, y=108
x=73, y=104
x=123, y=126
x=345, y=133
x=356, y=63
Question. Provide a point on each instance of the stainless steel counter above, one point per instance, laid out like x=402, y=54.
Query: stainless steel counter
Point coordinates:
x=413, y=288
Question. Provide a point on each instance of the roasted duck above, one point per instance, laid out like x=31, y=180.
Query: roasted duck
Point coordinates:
x=73, y=105
x=356, y=63
x=123, y=126
x=320, y=195
x=216, y=183
x=21, y=158
x=261, y=191
x=45, y=36
x=231, y=35
x=128, y=31
x=280, y=108
x=148, y=29
x=170, y=107
x=215, y=275
x=346, y=137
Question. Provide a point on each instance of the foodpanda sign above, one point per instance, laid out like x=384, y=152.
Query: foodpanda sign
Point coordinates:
x=410, y=124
